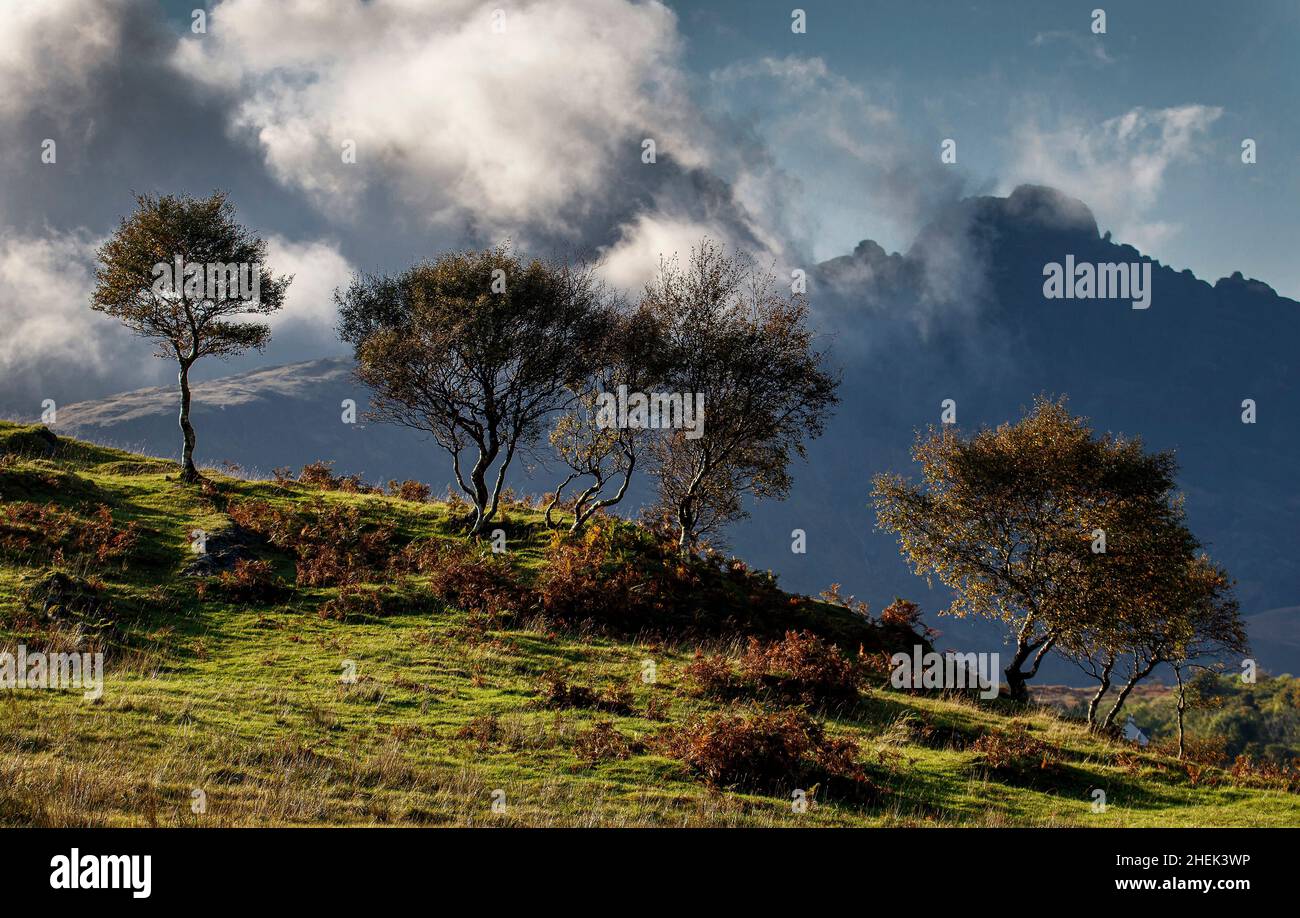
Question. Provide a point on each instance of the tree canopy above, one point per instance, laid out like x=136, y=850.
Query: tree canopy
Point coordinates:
x=178, y=271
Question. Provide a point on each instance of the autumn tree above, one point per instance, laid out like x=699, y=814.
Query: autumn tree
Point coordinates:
x=1187, y=625
x=1160, y=601
x=733, y=336
x=178, y=271
x=477, y=349
x=1135, y=585
x=1015, y=521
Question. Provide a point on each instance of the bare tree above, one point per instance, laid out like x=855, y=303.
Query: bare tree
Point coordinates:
x=476, y=349
x=734, y=337
x=595, y=452
x=176, y=272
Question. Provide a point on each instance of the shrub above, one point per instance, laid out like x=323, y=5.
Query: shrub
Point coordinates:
x=415, y=491
x=712, y=676
x=1014, y=752
x=251, y=581
x=602, y=743
x=333, y=544
x=801, y=666
x=484, y=730
x=624, y=581
x=1206, y=751
x=320, y=475
x=91, y=538
x=455, y=501
x=765, y=751
x=901, y=620
x=317, y=475
x=556, y=692
x=1246, y=772
x=470, y=578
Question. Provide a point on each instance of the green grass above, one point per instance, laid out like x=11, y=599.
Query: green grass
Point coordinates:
x=248, y=706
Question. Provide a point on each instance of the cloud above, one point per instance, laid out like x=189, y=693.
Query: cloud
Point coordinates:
x=317, y=267
x=462, y=117
x=825, y=162
x=633, y=260
x=464, y=136
x=45, y=285
x=1088, y=47
x=1119, y=166
x=50, y=50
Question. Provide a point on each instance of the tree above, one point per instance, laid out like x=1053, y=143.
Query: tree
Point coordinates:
x=731, y=335
x=1201, y=620
x=1137, y=590
x=631, y=357
x=176, y=272
x=1009, y=519
x=476, y=349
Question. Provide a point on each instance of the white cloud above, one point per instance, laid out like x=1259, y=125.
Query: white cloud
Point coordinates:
x=45, y=284
x=49, y=50
x=634, y=259
x=457, y=120
x=841, y=165
x=317, y=268
x=1118, y=167
x=1091, y=48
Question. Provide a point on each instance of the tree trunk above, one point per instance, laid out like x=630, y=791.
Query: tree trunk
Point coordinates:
x=1137, y=677
x=555, y=502
x=480, y=495
x=1095, y=701
x=499, y=481
x=685, y=525
x=1016, y=688
x=1182, y=707
x=584, y=513
x=1017, y=678
x=188, y=472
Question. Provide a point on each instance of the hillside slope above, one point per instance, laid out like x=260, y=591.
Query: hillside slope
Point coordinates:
x=273, y=695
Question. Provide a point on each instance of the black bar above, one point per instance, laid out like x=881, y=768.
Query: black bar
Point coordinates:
x=670, y=867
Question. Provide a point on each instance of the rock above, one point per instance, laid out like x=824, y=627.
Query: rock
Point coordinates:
x=223, y=549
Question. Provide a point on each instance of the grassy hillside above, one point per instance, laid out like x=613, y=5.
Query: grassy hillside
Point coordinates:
x=468, y=682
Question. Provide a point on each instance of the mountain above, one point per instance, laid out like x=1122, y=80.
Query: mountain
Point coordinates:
x=961, y=315
x=276, y=416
